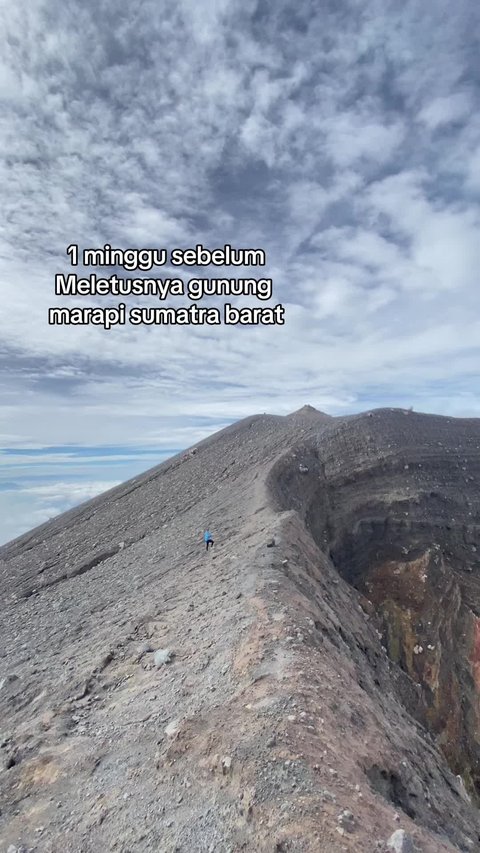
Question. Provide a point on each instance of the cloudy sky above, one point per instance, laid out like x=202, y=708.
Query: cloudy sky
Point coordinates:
x=341, y=136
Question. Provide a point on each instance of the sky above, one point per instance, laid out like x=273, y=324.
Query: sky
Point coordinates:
x=342, y=137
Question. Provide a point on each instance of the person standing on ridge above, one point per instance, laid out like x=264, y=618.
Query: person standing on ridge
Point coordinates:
x=208, y=539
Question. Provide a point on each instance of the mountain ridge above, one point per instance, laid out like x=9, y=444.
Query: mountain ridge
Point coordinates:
x=294, y=693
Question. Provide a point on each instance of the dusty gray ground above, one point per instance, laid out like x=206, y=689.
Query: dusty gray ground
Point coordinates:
x=280, y=708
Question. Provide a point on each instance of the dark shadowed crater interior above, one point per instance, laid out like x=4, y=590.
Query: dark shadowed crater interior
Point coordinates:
x=394, y=504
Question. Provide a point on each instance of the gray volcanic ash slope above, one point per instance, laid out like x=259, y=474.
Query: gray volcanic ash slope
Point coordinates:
x=323, y=686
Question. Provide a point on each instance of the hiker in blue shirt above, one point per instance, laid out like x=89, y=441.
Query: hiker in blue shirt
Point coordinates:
x=208, y=539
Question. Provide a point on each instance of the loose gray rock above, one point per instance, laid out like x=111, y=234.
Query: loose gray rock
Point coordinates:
x=226, y=764
x=327, y=796
x=162, y=656
x=172, y=728
x=346, y=820
x=400, y=842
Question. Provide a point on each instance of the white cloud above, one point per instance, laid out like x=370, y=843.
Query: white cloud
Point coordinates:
x=367, y=248
x=443, y=250
x=68, y=493
x=22, y=509
x=473, y=171
x=446, y=109
x=259, y=136
x=351, y=137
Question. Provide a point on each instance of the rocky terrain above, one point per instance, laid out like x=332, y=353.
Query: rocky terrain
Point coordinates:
x=311, y=683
